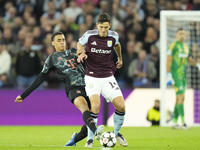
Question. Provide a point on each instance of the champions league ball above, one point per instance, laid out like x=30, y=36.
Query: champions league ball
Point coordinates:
x=108, y=139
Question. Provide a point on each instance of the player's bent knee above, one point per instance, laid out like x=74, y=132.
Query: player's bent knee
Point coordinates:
x=121, y=108
x=95, y=108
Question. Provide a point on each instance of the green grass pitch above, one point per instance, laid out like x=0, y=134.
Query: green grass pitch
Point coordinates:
x=139, y=138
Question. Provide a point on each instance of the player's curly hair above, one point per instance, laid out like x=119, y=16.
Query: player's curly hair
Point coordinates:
x=103, y=18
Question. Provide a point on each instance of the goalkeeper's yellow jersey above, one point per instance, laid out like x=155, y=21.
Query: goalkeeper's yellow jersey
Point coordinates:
x=180, y=53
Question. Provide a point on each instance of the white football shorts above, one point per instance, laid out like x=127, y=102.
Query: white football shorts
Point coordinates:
x=108, y=87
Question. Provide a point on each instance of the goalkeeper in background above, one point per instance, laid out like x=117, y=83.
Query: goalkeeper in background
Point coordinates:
x=178, y=56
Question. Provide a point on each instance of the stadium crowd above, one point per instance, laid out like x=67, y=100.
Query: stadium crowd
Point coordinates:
x=26, y=27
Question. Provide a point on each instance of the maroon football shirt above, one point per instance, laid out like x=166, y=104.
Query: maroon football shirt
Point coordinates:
x=99, y=49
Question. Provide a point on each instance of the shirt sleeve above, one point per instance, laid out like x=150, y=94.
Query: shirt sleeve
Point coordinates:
x=116, y=36
x=40, y=78
x=48, y=65
x=171, y=50
x=84, y=39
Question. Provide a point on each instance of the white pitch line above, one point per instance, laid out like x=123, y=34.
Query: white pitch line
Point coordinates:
x=101, y=148
x=30, y=145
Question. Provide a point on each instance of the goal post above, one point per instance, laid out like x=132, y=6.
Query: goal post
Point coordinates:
x=170, y=21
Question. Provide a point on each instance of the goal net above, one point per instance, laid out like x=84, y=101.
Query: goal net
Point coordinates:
x=171, y=21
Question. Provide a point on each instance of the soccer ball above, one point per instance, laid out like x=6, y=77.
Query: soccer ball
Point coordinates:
x=108, y=139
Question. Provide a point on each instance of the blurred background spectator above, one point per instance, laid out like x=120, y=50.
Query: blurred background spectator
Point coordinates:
x=154, y=57
x=153, y=114
x=142, y=70
x=27, y=64
x=72, y=11
x=52, y=16
x=136, y=21
x=124, y=80
x=5, y=66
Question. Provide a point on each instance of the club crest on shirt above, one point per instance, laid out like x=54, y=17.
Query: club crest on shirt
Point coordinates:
x=109, y=43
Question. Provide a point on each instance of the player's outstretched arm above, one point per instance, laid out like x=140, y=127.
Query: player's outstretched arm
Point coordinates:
x=80, y=49
x=168, y=63
x=117, y=49
x=192, y=62
x=40, y=78
x=168, y=67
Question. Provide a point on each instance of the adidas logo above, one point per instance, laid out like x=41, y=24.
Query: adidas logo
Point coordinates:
x=94, y=43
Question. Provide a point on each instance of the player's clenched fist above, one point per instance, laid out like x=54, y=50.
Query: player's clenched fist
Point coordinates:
x=82, y=57
x=19, y=99
x=119, y=64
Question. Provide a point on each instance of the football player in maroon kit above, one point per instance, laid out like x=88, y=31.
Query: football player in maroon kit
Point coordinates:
x=98, y=45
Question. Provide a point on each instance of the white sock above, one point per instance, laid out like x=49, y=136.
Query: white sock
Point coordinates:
x=118, y=121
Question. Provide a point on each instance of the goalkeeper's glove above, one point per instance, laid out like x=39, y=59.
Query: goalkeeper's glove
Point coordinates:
x=198, y=66
x=170, y=80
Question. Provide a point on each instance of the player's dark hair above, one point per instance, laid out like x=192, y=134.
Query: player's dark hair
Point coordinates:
x=56, y=33
x=103, y=18
x=180, y=29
